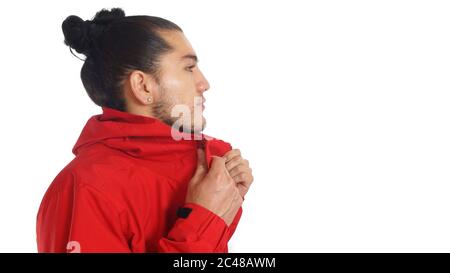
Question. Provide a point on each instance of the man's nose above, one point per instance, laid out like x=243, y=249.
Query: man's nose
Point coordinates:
x=203, y=84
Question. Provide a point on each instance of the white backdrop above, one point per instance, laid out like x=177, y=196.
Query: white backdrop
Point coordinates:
x=342, y=108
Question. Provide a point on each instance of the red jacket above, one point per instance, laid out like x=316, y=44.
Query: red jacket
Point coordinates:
x=124, y=188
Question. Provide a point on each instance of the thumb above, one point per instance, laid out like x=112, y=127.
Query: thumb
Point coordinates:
x=202, y=166
x=217, y=164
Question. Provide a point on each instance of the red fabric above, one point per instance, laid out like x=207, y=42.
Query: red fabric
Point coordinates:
x=122, y=190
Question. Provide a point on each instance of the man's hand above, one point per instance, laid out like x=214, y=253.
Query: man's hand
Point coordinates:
x=214, y=189
x=239, y=169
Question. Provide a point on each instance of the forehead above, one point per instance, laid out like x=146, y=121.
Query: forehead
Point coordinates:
x=180, y=44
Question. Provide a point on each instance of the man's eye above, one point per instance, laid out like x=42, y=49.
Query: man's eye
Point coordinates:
x=189, y=68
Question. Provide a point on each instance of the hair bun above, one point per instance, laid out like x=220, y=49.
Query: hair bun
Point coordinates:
x=105, y=16
x=79, y=34
x=75, y=34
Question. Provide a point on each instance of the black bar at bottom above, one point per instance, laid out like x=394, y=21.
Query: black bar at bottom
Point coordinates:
x=232, y=262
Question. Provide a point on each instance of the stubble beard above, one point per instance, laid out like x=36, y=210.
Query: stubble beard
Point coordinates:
x=162, y=110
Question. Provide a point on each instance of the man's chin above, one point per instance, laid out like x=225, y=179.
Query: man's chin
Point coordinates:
x=197, y=129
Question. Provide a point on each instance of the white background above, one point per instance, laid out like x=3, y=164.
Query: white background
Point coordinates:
x=342, y=108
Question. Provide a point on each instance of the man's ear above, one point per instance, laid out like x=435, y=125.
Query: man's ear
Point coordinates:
x=142, y=87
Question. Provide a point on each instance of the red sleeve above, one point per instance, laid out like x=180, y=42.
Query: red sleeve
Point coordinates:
x=80, y=220
x=201, y=231
x=233, y=225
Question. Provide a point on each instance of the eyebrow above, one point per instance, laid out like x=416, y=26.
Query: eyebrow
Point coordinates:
x=190, y=56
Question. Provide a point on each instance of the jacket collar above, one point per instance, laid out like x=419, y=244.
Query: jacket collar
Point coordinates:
x=143, y=137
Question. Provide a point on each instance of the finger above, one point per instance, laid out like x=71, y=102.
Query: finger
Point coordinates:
x=202, y=166
x=243, y=178
x=242, y=164
x=238, y=169
x=231, y=154
x=217, y=164
x=243, y=189
x=233, y=162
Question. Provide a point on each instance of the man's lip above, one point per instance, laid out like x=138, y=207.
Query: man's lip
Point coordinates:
x=201, y=105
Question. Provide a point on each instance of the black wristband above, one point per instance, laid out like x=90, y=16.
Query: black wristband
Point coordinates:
x=183, y=212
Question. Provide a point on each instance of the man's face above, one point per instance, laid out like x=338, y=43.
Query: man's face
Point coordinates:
x=181, y=85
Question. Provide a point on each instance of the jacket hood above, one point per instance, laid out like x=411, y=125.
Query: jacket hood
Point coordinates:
x=143, y=137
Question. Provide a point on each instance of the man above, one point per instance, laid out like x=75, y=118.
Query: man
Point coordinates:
x=140, y=182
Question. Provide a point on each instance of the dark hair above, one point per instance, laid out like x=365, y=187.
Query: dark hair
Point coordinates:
x=114, y=45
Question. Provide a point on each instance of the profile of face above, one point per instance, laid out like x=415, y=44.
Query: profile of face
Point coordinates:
x=177, y=92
